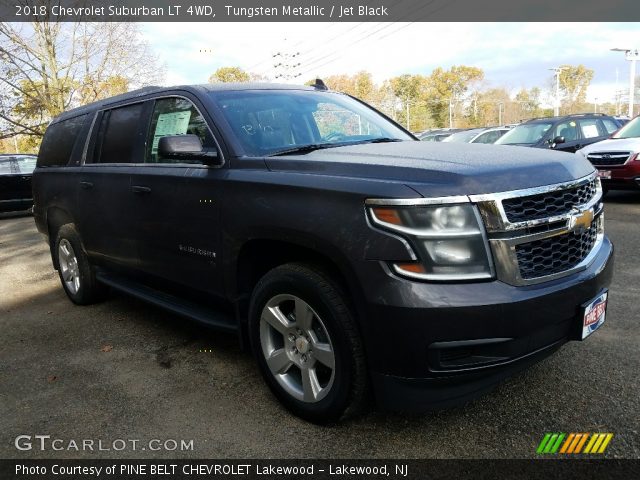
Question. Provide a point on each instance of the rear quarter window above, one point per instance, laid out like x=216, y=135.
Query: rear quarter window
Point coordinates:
x=59, y=141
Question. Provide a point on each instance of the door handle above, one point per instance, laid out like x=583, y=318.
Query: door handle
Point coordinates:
x=140, y=189
x=86, y=185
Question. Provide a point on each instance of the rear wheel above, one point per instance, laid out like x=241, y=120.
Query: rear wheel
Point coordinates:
x=76, y=273
x=306, y=343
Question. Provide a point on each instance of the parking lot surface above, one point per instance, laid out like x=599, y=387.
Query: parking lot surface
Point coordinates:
x=125, y=370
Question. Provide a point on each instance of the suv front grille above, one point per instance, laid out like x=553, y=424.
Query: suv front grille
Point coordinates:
x=543, y=233
x=607, y=159
x=555, y=254
x=549, y=204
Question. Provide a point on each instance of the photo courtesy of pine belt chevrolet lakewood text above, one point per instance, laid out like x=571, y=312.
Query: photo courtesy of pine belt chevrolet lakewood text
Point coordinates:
x=353, y=259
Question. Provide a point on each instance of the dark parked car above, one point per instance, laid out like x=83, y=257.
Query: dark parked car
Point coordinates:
x=15, y=181
x=348, y=255
x=617, y=158
x=567, y=134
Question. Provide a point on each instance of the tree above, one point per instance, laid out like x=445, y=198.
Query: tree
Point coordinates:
x=450, y=87
x=529, y=103
x=359, y=85
x=229, y=74
x=50, y=67
x=574, y=82
x=409, y=89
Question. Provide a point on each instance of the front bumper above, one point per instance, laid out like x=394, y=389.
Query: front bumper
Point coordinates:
x=626, y=177
x=432, y=345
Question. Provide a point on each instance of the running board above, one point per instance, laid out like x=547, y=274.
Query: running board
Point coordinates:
x=207, y=316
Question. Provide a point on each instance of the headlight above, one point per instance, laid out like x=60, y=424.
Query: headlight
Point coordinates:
x=449, y=241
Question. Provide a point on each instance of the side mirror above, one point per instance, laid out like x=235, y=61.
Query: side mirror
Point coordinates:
x=557, y=141
x=185, y=147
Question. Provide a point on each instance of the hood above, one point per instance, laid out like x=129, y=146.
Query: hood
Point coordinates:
x=613, y=145
x=440, y=169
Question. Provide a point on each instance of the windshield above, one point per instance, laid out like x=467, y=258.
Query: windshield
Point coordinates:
x=527, y=134
x=630, y=130
x=267, y=122
x=463, y=137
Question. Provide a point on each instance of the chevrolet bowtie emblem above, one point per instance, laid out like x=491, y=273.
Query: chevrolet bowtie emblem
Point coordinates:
x=580, y=220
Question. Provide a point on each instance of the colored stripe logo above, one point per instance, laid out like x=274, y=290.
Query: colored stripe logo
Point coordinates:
x=572, y=443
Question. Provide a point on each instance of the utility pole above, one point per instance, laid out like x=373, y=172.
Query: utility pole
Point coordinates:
x=15, y=142
x=451, y=112
x=286, y=65
x=500, y=113
x=408, y=114
x=595, y=105
x=556, y=108
x=632, y=56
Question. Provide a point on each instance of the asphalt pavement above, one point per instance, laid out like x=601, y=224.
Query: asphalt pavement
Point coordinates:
x=123, y=372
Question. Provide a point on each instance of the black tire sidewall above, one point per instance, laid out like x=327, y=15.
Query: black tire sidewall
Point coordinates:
x=333, y=312
x=87, y=292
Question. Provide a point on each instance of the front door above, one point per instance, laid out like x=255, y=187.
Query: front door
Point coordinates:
x=571, y=134
x=177, y=204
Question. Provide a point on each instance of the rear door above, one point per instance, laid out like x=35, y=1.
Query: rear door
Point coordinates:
x=106, y=201
x=177, y=204
x=592, y=130
x=9, y=181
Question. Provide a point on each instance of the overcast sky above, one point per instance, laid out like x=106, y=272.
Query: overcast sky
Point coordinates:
x=514, y=55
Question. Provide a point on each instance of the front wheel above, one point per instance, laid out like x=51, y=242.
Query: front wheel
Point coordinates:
x=306, y=343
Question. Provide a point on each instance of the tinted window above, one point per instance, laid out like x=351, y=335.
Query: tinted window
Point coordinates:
x=118, y=133
x=176, y=116
x=59, y=141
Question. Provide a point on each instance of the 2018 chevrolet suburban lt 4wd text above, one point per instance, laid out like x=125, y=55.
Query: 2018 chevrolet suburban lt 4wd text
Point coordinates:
x=350, y=256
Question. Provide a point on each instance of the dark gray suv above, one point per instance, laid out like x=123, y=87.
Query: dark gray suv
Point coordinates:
x=351, y=257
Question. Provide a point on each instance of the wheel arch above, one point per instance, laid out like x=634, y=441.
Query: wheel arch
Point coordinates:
x=259, y=255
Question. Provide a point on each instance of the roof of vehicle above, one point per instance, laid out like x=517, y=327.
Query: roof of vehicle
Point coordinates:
x=566, y=117
x=203, y=88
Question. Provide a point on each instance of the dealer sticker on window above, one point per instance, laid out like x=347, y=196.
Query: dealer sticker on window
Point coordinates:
x=594, y=314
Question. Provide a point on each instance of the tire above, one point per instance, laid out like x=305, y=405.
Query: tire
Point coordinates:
x=76, y=273
x=300, y=321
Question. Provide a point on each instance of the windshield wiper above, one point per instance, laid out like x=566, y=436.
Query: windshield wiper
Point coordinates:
x=312, y=147
x=382, y=140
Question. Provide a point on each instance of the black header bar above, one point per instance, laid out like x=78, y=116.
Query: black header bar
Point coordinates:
x=319, y=10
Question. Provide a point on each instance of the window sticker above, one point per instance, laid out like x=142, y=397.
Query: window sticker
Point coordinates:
x=174, y=123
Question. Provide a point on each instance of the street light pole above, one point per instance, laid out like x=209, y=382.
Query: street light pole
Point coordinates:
x=556, y=108
x=632, y=56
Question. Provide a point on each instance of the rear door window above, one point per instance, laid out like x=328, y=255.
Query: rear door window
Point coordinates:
x=119, y=135
x=59, y=142
x=176, y=116
x=589, y=128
